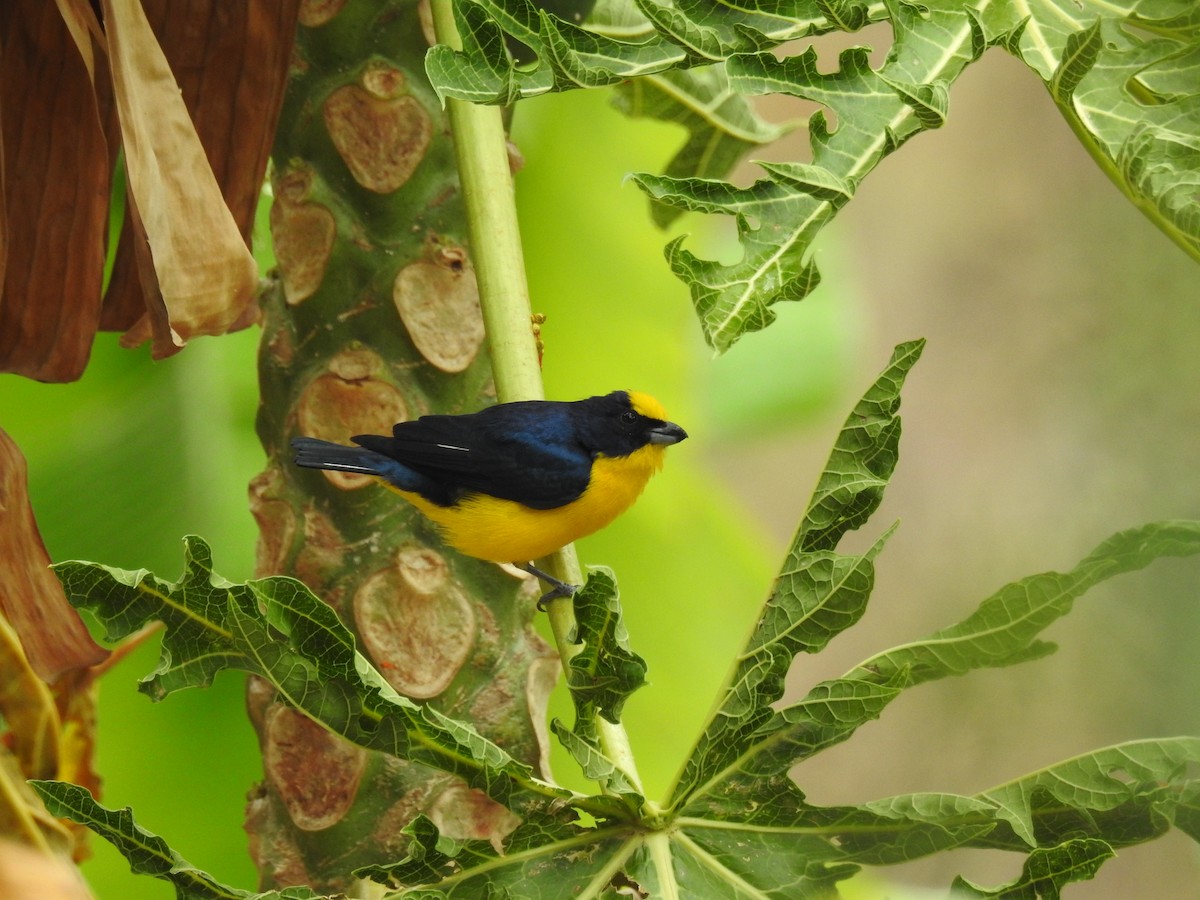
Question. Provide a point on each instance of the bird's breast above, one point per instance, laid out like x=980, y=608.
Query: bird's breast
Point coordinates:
x=490, y=528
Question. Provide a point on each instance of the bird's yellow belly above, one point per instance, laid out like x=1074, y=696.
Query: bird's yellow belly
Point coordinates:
x=506, y=531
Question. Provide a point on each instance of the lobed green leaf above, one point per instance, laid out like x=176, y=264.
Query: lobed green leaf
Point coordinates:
x=147, y=853
x=1125, y=75
x=1047, y=871
x=721, y=125
x=816, y=595
x=1078, y=57
x=779, y=218
x=276, y=628
x=606, y=671
x=1133, y=776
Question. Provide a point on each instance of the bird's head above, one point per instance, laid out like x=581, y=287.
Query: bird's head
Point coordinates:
x=622, y=422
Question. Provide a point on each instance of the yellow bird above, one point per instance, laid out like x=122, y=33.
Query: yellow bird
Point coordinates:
x=516, y=481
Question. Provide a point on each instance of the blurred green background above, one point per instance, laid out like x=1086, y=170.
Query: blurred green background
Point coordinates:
x=1057, y=402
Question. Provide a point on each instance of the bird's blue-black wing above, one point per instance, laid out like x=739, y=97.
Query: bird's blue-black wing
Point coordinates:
x=527, y=452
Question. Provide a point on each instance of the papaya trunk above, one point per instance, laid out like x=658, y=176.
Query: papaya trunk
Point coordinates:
x=374, y=318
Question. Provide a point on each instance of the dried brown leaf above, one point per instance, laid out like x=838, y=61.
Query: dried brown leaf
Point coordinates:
x=231, y=64
x=56, y=185
x=206, y=276
x=51, y=632
x=80, y=19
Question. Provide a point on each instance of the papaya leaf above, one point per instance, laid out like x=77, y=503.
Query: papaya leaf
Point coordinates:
x=740, y=819
x=817, y=594
x=1117, y=796
x=1142, y=778
x=721, y=125
x=276, y=628
x=1002, y=631
x=779, y=218
x=1131, y=94
x=737, y=824
x=562, y=860
x=147, y=853
x=1046, y=871
x=1124, y=74
x=606, y=671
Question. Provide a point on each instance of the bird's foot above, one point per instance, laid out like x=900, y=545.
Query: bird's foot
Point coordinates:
x=558, y=589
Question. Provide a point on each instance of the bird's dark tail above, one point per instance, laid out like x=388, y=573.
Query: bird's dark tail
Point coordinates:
x=317, y=454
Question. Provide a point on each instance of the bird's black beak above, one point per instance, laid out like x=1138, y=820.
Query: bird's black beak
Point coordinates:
x=666, y=433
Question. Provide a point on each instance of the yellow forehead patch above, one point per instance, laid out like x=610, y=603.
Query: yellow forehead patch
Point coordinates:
x=646, y=405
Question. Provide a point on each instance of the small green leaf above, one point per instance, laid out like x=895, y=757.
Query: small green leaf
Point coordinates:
x=930, y=102
x=596, y=766
x=1046, y=871
x=1004, y=629
x=147, y=853
x=1096, y=782
x=722, y=126
x=602, y=675
x=1078, y=57
x=846, y=15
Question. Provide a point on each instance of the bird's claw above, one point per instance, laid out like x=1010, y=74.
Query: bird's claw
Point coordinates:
x=559, y=589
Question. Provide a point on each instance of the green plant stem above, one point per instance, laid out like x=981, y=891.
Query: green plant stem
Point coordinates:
x=481, y=148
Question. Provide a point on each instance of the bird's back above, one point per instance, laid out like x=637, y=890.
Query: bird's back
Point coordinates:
x=527, y=452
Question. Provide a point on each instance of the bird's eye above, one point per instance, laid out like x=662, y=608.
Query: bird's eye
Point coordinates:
x=629, y=417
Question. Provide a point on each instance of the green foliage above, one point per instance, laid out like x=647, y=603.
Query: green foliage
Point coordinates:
x=736, y=824
x=600, y=677
x=276, y=628
x=148, y=854
x=606, y=671
x=1046, y=871
x=1124, y=75
x=721, y=124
